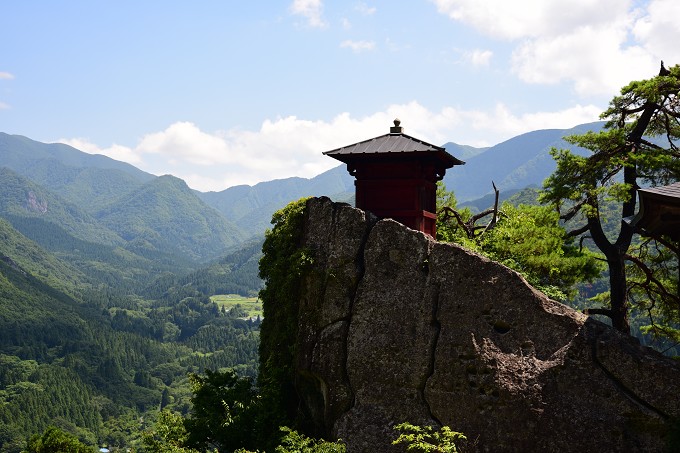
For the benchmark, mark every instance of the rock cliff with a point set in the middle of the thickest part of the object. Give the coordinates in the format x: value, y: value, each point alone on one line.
x: 394, y: 326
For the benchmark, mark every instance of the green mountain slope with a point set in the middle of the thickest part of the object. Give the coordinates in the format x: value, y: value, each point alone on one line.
x: 81, y: 344
x: 78, y: 238
x: 85, y: 179
x: 251, y: 207
x: 519, y: 162
x: 42, y: 320
x: 25, y: 256
x: 165, y: 215
x: 97, y: 359
x: 22, y: 198
x: 463, y: 152
x: 236, y: 273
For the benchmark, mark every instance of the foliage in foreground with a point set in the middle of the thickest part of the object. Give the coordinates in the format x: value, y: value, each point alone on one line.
x: 294, y: 442
x: 653, y: 278
x: 426, y: 439
x: 637, y: 148
x: 168, y: 435
x: 223, y: 413
x: 171, y: 434
x: 282, y: 266
x: 528, y: 239
x: 54, y: 440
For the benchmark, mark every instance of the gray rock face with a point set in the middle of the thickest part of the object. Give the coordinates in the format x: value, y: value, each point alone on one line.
x: 396, y: 327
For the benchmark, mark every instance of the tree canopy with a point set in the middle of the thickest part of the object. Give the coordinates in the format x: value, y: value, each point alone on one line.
x: 636, y: 148
x: 528, y: 239
x: 223, y: 411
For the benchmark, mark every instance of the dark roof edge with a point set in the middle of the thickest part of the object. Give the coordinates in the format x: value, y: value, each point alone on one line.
x: 670, y: 192
x: 438, y: 148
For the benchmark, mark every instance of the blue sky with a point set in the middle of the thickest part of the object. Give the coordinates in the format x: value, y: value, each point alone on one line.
x: 222, y: 93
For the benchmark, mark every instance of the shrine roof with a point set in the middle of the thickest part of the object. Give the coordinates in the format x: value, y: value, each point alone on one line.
x: 394, y: 143
x: 670, y: 192
x: 659, y: 212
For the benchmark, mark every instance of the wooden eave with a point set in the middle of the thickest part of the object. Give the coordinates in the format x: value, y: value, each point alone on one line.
x: 393, y: 146
x: 659, y: 213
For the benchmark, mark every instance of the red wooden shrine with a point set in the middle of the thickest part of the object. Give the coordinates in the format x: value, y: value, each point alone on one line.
x: 396, y: 177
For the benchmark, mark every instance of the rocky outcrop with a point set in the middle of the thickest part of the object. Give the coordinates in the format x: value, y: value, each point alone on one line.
x: 11, y: 263
x: 34, y: 204
x: 396, y: 327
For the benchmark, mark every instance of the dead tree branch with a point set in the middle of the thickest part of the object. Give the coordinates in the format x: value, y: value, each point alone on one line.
x: 472, y: 230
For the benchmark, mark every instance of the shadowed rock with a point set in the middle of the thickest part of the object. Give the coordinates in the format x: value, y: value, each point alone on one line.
x: 396, y: 327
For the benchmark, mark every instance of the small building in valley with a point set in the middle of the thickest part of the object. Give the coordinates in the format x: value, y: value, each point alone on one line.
x: 396, y: 177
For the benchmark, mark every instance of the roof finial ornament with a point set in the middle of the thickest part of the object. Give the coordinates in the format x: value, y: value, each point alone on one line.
x: 396, y: 129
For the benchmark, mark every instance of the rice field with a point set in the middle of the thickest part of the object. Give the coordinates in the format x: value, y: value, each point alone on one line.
x: 251, y: 305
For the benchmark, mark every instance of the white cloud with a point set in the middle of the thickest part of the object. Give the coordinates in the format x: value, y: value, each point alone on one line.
x: 290, y: 146
x: 478, y: 57
x: 507, y: 124
x: 364, y: 9
x: 185, y: 141
x: 312, y: 10
x: 597, y: 46
x: 658, y: 32
x: 593, y: 60
x: 483, y: 128
x: 358, y: 46
x: 4, y: 106
x: 118, y: 152
x: 530, y: 18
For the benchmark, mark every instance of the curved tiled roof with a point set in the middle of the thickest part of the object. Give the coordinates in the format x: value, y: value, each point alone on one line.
x: 392, y: 143
x: 670, y: 192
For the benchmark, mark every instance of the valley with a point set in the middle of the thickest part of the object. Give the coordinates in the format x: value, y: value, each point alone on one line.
x: 116, y: 284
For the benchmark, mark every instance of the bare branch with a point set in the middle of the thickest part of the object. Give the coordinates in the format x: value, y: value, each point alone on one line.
x: 577, y: 231
x: 674, y: 247
x: 632, y: 111
x: 481, y: 215
x: 651, y: 283
x: 494, y: 219
x: 452, y: 212
x: 567, y: 216
x: 470, y: 227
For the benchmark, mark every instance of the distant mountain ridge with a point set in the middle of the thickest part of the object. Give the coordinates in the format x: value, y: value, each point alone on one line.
x: 516, y: 163
x: 252, y: 206
x: 167, y: 214
x: 102, y: 201
x: 77, y: 175
x: 126, y: 200
x: 463, y: 152
x: 19, y: 153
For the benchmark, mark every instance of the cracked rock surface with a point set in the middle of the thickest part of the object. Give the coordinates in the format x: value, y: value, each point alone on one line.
x: 397, y: 327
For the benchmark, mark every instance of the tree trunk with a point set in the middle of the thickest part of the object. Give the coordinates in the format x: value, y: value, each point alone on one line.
x: 617, y: 284
x: 617, y: 251
x: 614, y: 253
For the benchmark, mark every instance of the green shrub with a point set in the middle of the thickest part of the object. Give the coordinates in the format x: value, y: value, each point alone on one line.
x: 426, y: 440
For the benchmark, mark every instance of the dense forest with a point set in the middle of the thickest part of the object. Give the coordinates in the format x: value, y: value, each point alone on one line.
x: 99, y: 357
x: 106, y: 282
